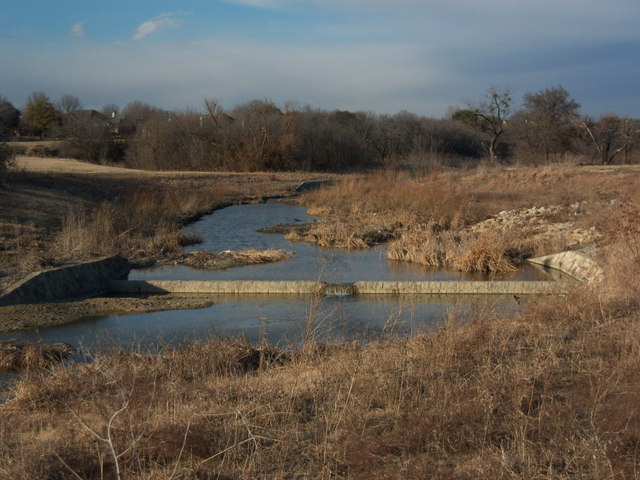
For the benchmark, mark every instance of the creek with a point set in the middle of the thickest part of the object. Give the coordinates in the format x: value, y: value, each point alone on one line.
x: 281, y: 319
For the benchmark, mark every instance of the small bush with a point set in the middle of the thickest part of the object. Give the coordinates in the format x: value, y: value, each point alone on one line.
x: 43, y: 151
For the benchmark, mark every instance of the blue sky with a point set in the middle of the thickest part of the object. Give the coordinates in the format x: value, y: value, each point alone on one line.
x: 375, y: 55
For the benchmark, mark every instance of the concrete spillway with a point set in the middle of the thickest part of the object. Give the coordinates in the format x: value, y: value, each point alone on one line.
x: 313, y: 288
x: 99, y: 277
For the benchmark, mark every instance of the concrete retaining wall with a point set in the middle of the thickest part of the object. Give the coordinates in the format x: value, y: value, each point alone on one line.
x: 84, y: 279
x: 305, y: 287
x: 576, y: 264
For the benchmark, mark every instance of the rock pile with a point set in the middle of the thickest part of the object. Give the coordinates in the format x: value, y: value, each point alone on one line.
x: 551, y: 223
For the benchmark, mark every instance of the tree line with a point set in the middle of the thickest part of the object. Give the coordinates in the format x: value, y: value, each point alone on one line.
x: 259, y: 135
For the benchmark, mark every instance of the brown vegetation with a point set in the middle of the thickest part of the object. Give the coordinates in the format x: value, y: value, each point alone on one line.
x: 440, y: 220
x: 548, y: 393
x: 32, y: 355
x: 86, y: 210
x: 144, y: 222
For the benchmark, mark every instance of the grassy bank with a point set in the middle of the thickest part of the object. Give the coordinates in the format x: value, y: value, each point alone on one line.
x: 470, y: 221
x: 551, y: 393
x: 85, y: 210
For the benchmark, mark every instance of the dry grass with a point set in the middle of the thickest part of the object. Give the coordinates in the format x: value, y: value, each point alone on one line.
x: 16, y: 356
x: 550, y: 393
x: 430, y: 220
x: 488, y: 251
x: 84, y: 209
x: 144, y: 222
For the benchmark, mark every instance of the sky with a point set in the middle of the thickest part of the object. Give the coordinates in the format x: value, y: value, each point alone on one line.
x: 382, y: 56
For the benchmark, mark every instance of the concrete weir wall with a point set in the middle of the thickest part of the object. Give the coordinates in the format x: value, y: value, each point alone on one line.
x: 307, y: 287
x: 574, y: 263
x: 456, y: 288
x: 84, y: 279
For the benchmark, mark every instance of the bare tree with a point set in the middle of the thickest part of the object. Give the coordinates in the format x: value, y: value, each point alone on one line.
x: 68, y: 104
x: 611, y: 135
x: 491, y: 116
x: 88, y: 136
x: 547, y: 122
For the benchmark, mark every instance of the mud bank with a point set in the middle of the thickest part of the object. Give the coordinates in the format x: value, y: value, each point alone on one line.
x: 15, y: 318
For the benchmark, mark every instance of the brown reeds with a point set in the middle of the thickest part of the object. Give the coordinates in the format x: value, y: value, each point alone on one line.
x: 437, y: 220
x: 549, y: 392
x: 145, y: 222
x: 487, y: 251
x: 21, y: 356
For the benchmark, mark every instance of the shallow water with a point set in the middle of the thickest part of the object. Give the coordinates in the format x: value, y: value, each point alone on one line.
x: 234, y: 228
x: 281, y: 319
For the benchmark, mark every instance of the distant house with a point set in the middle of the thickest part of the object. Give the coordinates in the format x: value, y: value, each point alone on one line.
x: 224, y: 119
x: 86, y: 116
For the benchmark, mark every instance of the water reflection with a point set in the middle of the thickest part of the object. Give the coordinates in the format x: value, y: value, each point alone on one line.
x: 283, y: 320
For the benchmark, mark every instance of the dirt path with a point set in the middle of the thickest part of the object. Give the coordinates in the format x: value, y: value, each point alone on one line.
x: 71, y: 166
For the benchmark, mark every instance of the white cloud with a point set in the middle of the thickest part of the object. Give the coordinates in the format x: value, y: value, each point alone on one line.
x: 155, y: 24
x: 77, y: 30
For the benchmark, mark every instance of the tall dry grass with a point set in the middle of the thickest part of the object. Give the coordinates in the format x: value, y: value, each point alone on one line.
x: 362, y: 212
x: 422, y: 218
x: 487, y: 251
x: 144, y: 222
x: 430, y: 220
